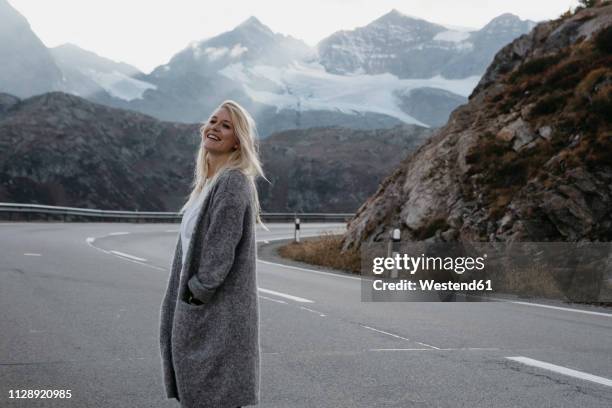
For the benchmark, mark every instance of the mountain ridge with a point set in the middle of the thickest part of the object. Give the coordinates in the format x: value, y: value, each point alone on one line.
x: 280, y: 79
x: 60, y: 149
x: 24, y: 56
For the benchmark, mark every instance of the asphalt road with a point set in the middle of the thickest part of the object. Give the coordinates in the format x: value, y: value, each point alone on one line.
x: 80, y: 306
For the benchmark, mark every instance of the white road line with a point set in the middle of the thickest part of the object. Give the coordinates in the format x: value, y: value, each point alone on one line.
x: 313, y: 311
x: 30, y: 254
x: 273, y: 300
x: 294, y: 298
x: 91, y: 240
x: 432, y: 349
x: 399, y: 337
x: 427, y: 345
x: 384, y: 332
x: 566, y: 309
x: 117, y: 233
x: 135, y: 258
x: 469, y: 349
x: 562, y: 370
x: 309, y: 270
x: 171, y: 230
x: 138, y: 262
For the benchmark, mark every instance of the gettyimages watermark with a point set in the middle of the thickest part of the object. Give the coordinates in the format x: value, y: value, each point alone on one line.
x: 474, y: 271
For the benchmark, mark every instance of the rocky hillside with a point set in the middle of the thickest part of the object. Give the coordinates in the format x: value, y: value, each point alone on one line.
x: 60, y: 149
x: 331, y: 169
x: 527, y: 159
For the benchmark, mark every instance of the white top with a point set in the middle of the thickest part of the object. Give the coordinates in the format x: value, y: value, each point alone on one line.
x: 189, y: 219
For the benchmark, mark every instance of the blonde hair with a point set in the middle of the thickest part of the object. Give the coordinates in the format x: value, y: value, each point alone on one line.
x: 245, y: 158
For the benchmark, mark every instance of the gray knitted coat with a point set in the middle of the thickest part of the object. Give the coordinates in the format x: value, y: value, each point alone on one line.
x: 210, y: 353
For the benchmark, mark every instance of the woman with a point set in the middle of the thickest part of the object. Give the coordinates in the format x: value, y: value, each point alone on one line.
x: 209, y: 320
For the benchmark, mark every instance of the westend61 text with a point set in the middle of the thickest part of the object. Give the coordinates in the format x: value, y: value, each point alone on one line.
x: 404, y: 284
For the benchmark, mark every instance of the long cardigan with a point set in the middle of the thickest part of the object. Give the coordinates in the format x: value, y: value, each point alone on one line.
x: 211, y: 353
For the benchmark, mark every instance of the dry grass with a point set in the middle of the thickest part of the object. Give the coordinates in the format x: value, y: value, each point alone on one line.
x: 533, y: 280
x: 323, y: 251
x: 500, y: 202
x: 586, y: 87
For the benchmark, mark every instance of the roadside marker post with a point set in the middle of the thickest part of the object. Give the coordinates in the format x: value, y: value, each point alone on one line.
x: 296, y: 235
x: 394, y: 248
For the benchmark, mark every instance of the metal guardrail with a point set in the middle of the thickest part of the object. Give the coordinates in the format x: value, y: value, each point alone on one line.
x: 21, y: 212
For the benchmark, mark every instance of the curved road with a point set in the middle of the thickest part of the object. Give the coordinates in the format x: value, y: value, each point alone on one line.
x: 80, y: 305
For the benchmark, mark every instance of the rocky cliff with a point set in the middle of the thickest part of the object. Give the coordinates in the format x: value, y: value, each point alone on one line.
x: 526, y: 159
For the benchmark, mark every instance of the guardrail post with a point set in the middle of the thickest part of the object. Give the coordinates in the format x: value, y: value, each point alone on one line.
x: 296, y: 235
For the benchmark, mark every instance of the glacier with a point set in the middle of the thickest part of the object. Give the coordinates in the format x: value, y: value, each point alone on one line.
x: 308, y: 86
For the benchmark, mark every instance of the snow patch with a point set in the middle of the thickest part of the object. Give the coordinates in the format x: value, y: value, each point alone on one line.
x: 120, y: 85
x: 452, y: 36
x: 464, y: 46
x: 238, y: 50
x: 453, y: 27
x: 312, y: 88
x: 214, y: 53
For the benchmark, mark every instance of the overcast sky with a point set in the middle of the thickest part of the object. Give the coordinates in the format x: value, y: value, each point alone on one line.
x: 147, y: 33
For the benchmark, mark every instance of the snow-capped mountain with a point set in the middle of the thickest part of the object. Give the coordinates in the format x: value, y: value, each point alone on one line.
x: 282, y: 82
x: 190, y: 85
x: 87, y: 74
x: 409, y: 47
x: 394, y: 43
x: 396, y: 69
x: 27, y: 67
x: 250, y: 42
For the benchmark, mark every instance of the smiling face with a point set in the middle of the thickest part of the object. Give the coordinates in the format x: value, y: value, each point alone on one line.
x: 218, y: 134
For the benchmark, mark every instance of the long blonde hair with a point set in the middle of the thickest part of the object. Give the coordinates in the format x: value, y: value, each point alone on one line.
x: 245, y: 159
